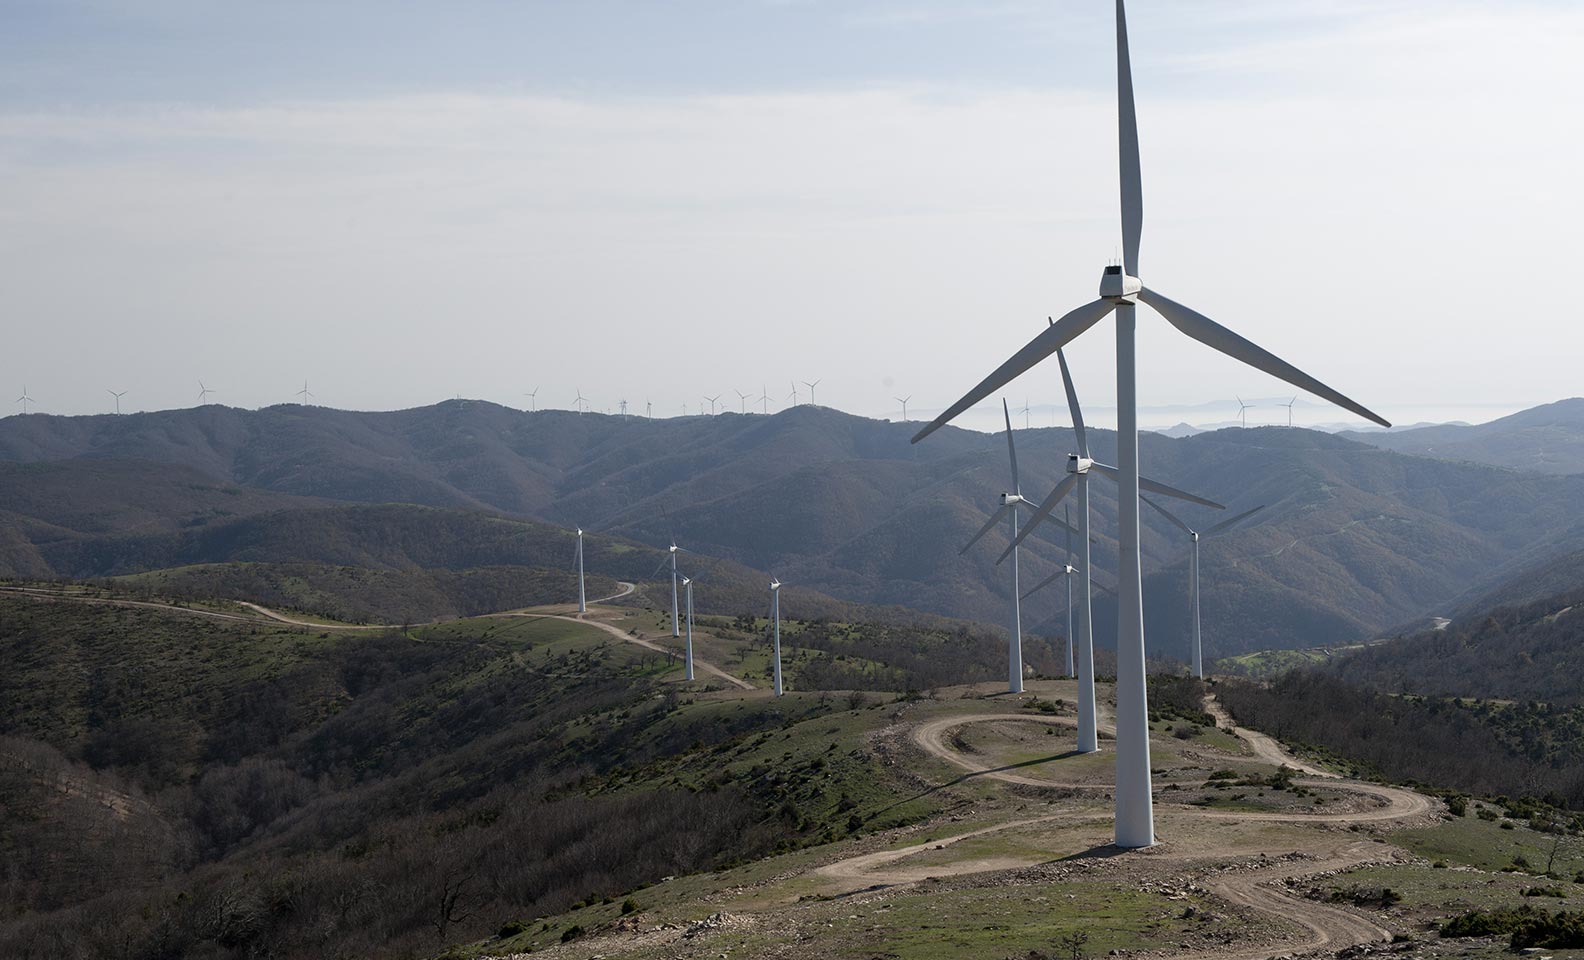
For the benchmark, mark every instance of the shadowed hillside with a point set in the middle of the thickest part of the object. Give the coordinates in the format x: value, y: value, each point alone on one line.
x: 1546, y: 439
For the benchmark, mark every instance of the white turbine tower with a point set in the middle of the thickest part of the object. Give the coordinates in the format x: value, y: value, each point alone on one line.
x: 533, y: 399
x: 1065, y: 573
x: 25, y: 400
x: 676, y: 629
x: 118, y: 397
x: 687, y: 582
x: 1120, y: 293
x: 305, y: 394
x: 1243, y: 409
x: 711, y: 402
x: 582, y: 596
x: 904, y: 402
x: 764, y: 399
x: 1196, y: 653
x: 203, y: 393
x: 1289, y: 405
x: 1079, y: 466
x: 775, y: 619
x: 793, y: 396
x: 744, y: 398
x: 811, y: 387
x: 580, y: 402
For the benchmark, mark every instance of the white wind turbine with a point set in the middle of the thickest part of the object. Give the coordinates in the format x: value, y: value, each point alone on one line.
x: 764, y: 399
x: 533, y: 399
x: 811, y: 387
x: 25, y: 400
x: 1197, y: 656
x: 581, y: 401
x: 676, y: 630
x: 775, y: 620
x: 687, y: 582
x: 306, y: 395
x: 1026, y: 411
x: 904, y: 402
x: 622, y: 406
x: 1243, y: 409
x: 793, y: 396
x: 711, y: 402
x: 1079, y: 466
x: 118, y: 397
x: 203, y: 393
x: 744, y: 398
x: 1067, y: 572
x: 1120, y: 293
x: 582, y: 596
x: 1289, y: 405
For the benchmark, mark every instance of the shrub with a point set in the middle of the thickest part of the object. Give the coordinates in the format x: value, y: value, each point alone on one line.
x: 629, y: 906
x: 511, y: 928
x: 571, y: 933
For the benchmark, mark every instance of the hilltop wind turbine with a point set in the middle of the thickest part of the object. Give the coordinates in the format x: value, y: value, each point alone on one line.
x: 582, y: 596
x: 775, y: 619
x: 1010, y: 502
x: 580, y: 402
x: 1079, y: 466
x: 1025, y: 411
x: 794, y: 395
x: 1289, y: 405
x: 623, y: 407
x: 307, y: 396
x: 711, y: 401
x: 533, y: 399
x: 687, y: 582
x: 203, y: 393
x: 676, y: 630
x: 24, y: 400
x: 764, y: 398
x: 1193, y: 569
x: 1120, y: 293
x: 811, y: 387
x: 1243, y: 409
x: 118, y: 397
x: 904, y: 402
x: 744, y: 398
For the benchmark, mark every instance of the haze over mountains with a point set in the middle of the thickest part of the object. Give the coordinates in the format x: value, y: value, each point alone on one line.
x: 1354, y: 540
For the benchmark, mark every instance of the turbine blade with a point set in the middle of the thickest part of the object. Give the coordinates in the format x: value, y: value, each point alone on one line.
x: 663, y: 561
x: 1155, y: 486
x: 1067, y: 518
x: 1226, y: 525
x: 1043, y: 584
x: 1128, y: 149
x: 1058, y: 334
x: 995, y: 518
x: 1169, y: 516
x: 1044, y: 511
x: 1011, y: 447
x: 1217, y: 337
x: 1072, y: 406
x: 1102, y: 588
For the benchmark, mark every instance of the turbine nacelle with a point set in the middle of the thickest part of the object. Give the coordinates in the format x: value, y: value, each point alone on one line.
x: 1117, y: 287
x: 1077, y: 464
x: 1013, y: 499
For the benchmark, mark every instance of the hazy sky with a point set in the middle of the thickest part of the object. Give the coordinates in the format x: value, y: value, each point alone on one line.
x: 403, y: 201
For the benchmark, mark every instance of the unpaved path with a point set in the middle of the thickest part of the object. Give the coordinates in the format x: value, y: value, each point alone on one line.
x: 872, y: 868
x: 1265, y: 748
x: 625, y: 637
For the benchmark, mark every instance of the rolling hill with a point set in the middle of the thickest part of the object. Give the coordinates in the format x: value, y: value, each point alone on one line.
x: 1355, y: 538
x: 1545, y: 439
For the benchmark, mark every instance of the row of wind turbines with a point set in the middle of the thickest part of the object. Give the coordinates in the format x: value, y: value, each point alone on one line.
x: 584, y: 404
x: 1121, y: 291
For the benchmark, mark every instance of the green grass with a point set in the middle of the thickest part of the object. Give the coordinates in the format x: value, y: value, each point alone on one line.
x: 1483, y: 844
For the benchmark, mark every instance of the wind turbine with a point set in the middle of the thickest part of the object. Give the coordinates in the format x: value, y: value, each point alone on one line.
x: 744, y: 398
x: 1243, y: 409
x: 580, y: 402
x: 687, y: 582
x: 203, y: 393
x: 775, y: 618
x: 676, y: 631
x: 1193, y: 568
x: 623, y: 407
x: 118, y: 397
x: 306, y: 395
x: 1120, y: 293
x: 794, y: 395
x: 711, y: 401
x: 649, y: 409
x: 1066, y: 572
x: 533, y: 399
x: 1010, y: 502
x: 1025, y: 411
x: 582, y: 596
x: 764, y: 398
x: 1289, y: 405
x: 1079, y: 466
x: 811, y: 387
x: 904, y: 402
x: 24, y: 400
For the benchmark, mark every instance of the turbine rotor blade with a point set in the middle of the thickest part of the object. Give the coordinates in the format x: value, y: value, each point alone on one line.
x: 1011, y: 447
x: 1128, y: 150
x: 1058, y: 334
x: 1217, y: 337
x: 1155, y: 486
x: 1169, y: 516
x: 1043, y: 584
x: 663, y: 561
x: 995, y: 518
x: 1044, y: 511
x: 1072, y: 406
x: 1226, y: 525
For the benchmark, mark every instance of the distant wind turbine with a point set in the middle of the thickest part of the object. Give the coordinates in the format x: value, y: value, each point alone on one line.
x: 711, y: 401
x: 764, y: 399
x: 744, y: 398
x: 1120, y: 292
x: 676, y: 630
x: 25, y: 400
x: 1026, y: 410
x: 649, y: 409
x: 581, y: 401
x: 904, y: 402
x: 775, y: 619
x: 118, y: 397
x: 687, y: 583
x: 203, y: 393
x: 811, y: 387
x: 1193, y: 568
x: 1243, y: 409
x: 794, y: 395
x: 533, y: 399
x: 307, y: 395
x: 1065, y: 573
x: 1289, y: 405
x: 622, y: 406
x: 582, y: 595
